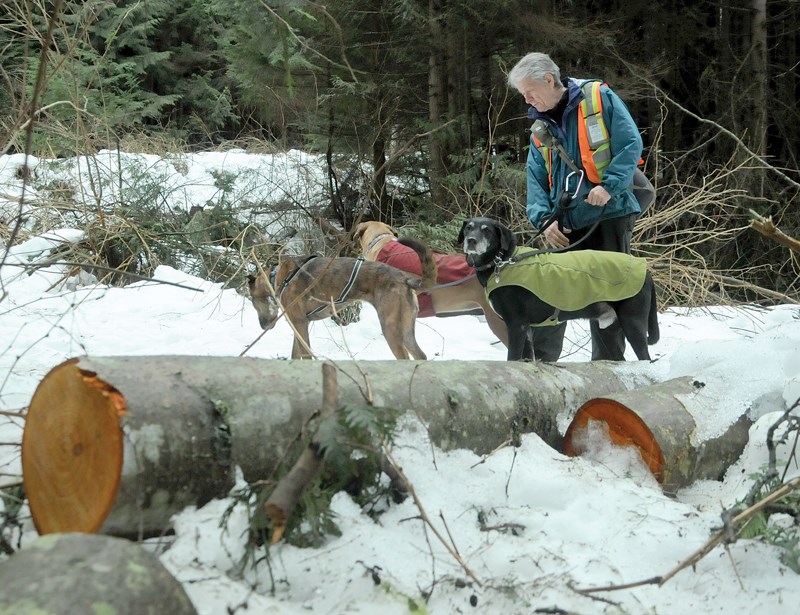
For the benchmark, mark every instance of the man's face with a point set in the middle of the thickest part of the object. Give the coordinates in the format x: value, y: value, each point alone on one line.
x: 542, y: 95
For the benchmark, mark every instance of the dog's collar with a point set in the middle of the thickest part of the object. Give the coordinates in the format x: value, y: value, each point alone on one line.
x: 496, y: 263
x: 376, y: 239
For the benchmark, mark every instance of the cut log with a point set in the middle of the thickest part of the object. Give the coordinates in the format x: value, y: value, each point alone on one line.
x: 659, y: 420
x: 85, y: 573
x: 120, y: 444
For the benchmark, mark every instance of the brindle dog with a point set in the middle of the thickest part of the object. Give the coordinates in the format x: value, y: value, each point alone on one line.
x: 312, y: 287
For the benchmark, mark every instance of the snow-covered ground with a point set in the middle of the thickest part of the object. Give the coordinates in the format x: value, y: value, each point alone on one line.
x: 533, y: 525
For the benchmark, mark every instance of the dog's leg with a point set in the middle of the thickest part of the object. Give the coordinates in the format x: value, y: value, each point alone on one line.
x: 634, y: 326
x: 517, y: 340
x: 527, y: 349
x: 412, y: 346
x: 496, y: 324
x: 637, y: 338
x: 397, y: 313
x: 395, y: 340
x: 605, y: 315
x: 636, y: 317
x: 301, y: 347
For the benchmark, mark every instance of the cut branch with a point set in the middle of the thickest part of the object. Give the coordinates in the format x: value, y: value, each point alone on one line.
x: 284, y: 498
x: 767, y: 227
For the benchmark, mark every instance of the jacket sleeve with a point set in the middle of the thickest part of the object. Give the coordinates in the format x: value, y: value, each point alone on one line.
x: 626, y: 143
x: 538, y: 206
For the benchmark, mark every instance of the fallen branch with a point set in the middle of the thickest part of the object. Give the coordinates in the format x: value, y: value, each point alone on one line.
x: 284, y: 498
x: 767, y: 227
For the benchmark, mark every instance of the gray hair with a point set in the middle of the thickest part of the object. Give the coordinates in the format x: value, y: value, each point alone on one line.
x: 536, y: 66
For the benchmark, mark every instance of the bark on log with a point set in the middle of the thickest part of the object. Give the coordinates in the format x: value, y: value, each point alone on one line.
x: 120, y: 444
x: 660, y: 420
x: 85, y: 573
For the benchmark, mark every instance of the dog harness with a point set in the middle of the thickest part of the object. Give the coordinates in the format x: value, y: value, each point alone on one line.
x: 342, y: 295
x: 570, y: 281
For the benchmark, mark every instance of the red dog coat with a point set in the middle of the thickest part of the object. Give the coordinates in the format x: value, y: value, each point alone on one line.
x: 450, y: 267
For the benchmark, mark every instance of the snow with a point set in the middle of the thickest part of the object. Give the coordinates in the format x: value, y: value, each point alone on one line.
x: 532, y: 525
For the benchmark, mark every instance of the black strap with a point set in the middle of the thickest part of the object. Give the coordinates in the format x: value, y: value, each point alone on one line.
x: 346, y: 290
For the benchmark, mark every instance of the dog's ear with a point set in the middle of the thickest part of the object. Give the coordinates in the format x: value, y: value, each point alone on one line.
x: 359, y: 231
x: 507, y: 240
x: 460, y: 239
x: 251, y: 281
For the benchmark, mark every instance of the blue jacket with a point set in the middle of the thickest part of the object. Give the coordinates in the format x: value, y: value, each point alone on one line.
x: 626, y: 151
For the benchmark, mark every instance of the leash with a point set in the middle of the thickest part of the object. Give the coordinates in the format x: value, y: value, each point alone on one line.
x: 542, y: 132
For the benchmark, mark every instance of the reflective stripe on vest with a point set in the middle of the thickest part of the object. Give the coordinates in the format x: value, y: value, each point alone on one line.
x: 593, y: 138
x: 547, y: 154
x: 595, y: 144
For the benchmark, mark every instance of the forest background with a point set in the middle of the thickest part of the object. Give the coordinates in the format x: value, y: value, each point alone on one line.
x: 408, y: 103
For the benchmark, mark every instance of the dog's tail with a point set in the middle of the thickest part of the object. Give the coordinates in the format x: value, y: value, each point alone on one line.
x: 653, y: 333
x: 426, y: 259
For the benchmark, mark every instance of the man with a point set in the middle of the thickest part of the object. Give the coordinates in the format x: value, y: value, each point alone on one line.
x: 601, y: 209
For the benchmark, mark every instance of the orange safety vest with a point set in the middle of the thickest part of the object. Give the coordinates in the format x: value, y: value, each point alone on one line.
x: 593, y: 138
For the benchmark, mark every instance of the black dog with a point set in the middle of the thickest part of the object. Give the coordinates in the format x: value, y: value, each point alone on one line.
x: 625, y: 288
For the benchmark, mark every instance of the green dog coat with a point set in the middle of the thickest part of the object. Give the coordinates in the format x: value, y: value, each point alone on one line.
x: 570, y: 281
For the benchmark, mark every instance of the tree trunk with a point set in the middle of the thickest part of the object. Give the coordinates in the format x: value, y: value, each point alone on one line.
x: 437, y: 99
x: 380, y: 197
x: 120, y: 444
x: 82, y: 573
x: 761, y: 103
x: 760, y: 65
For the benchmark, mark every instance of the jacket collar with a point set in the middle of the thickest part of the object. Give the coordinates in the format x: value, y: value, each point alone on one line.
x: 575, y: 97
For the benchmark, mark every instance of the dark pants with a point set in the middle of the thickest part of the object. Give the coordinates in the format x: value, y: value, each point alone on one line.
x: 613, y: 235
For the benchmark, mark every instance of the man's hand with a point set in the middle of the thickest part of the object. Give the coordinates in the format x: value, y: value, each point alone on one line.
x: 556, y: 238
x: 598, y: 196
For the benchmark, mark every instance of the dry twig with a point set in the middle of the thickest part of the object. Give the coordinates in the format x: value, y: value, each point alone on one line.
x: 721, y: 537
x: 767, y: 227
x: 448, y: 545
